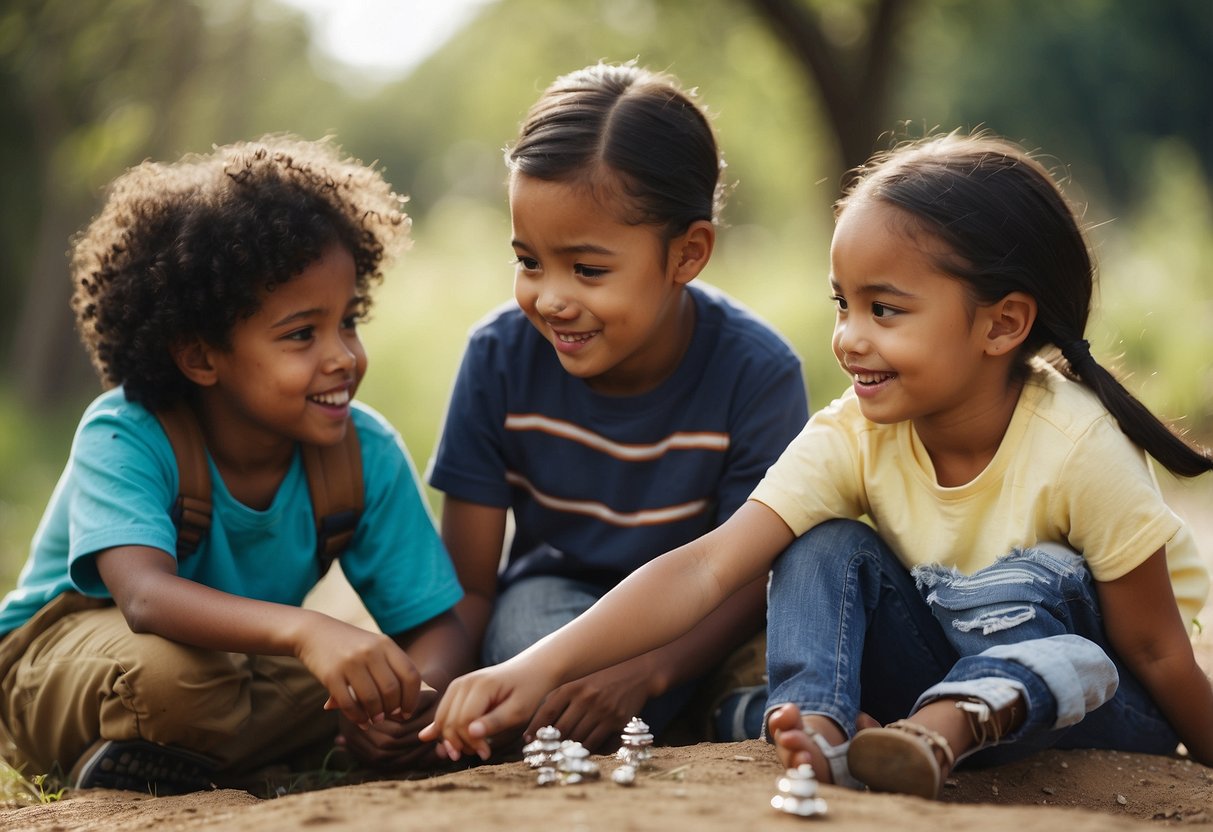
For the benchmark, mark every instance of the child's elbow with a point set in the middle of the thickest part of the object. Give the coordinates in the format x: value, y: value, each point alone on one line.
x: 140, y: 613
x: 1151, y: 656
x: 136, y: 618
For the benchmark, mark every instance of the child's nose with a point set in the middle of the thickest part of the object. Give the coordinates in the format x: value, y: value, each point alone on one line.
x: 849, y: 337
x: 551, y: 303
x: 341, y: 359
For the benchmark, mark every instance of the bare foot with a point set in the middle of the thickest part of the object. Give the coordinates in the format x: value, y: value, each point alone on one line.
x: 794, y: 744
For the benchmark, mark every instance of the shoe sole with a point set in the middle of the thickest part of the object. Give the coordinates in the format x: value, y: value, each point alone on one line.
x: 143, y: 767
x: 888, y: 760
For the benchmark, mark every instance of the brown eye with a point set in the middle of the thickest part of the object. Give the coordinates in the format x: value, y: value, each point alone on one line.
x: 589, y: 271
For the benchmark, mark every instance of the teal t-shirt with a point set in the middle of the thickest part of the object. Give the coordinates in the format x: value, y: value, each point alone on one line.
x: 121, y: 481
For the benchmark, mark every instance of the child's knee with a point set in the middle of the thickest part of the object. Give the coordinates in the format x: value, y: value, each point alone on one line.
x: 825, y: 555
x: 178, y: 694
x: 1021, y: 594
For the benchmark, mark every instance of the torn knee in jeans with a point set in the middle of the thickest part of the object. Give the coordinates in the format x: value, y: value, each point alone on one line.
x: 1007, y: 594
x: 994, y: 619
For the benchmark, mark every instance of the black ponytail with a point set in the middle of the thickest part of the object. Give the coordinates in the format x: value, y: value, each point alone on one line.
x: 1134, y: 418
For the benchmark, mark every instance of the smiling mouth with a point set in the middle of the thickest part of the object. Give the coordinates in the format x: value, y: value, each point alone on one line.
x: 574, y: 337
x: 337, y: 398
x: 869, y: 379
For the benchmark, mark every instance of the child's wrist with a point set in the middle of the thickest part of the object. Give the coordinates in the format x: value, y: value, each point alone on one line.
x: 657, y: 673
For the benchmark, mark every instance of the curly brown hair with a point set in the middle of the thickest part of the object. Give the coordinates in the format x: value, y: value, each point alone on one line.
x: 188, y: 249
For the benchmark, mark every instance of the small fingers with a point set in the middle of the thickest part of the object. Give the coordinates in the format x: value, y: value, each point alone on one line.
x: 386, y: 686
x: 345, y: 700
x: 477, y: 741
x: 405, y: 682
x: 549, y: 713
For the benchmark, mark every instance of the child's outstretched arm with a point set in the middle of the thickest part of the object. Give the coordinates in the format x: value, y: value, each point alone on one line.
x: 653, y: 606
x: 366, y: 674
x: 1145, y: 628
x: 592, y: 708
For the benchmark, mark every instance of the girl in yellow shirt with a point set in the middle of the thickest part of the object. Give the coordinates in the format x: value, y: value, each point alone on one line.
x: 1021, y: 584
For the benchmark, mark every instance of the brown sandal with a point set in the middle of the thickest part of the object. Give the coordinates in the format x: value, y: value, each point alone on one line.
x: 908, y: 758
x: 903, y: 757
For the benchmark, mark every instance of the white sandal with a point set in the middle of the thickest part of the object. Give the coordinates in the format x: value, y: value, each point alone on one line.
x: 835, y: 755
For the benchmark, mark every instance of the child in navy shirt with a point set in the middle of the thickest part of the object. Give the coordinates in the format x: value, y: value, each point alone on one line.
x: 616, y: 408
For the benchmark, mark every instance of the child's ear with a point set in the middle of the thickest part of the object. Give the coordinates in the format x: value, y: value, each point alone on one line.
x: 193, y: 359
x: 1010, y: 321
x: 691, y: 250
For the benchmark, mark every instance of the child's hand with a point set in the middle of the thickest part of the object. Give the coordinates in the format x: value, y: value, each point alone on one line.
x: 368, y: 677
x: 593, y: 709
x: 486, y: 703
x: 393, y: 743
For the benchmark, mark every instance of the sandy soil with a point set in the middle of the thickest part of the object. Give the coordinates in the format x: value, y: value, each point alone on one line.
x: 707, y: 787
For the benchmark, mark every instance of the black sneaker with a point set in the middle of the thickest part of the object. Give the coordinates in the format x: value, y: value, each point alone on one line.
x: 141, y: 766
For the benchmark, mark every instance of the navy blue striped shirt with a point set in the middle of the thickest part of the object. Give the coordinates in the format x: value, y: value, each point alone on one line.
x: 599, y: 485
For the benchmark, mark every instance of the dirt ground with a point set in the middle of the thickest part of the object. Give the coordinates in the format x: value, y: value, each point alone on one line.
x: 708, y: 787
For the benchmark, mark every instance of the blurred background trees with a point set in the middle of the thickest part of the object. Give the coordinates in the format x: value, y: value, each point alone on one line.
x: 1116, y: 92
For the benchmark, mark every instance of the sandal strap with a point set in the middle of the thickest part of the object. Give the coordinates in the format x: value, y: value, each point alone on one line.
x: 933, y: 739
x: 983, y: 720
x: 835, y: 756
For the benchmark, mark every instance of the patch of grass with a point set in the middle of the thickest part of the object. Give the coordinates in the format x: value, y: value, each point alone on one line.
x: 18, y: 790
x: 336, y: 769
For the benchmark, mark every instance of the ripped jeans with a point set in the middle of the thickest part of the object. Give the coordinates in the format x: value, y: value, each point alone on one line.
x: 850, y: 629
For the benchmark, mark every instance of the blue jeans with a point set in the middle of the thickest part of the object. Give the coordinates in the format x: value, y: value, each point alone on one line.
x: 1031, y: 620
x: 535, y: 606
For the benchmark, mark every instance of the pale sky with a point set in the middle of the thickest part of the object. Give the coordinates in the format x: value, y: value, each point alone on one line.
x: 388, y: 37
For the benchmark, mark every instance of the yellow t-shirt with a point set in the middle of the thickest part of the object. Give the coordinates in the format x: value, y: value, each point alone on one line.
x: 1064, y: 473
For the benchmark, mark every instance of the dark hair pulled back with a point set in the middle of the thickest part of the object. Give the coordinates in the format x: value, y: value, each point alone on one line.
x: 1007, y: 227
x: 623, y: 127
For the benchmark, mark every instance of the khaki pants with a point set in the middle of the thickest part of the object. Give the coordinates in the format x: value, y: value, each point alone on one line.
x: 75, y: 673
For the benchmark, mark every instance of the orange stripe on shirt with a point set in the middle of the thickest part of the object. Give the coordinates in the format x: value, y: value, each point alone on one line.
x: 600, y: 511
x: 681, y: 441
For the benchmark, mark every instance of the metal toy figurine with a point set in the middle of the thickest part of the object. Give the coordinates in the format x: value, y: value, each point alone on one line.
x: 798, y: 793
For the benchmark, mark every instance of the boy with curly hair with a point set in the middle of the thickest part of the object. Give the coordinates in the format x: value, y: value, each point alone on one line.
x: 231, y: 283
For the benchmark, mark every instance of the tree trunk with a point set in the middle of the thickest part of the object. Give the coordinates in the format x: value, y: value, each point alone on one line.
x: 853, y: 82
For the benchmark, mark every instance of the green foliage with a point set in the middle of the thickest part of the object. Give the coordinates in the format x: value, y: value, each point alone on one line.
x: 18, y: 790
x: 1094, y: 82
x: 33, y: 448
x: 1156, y: 298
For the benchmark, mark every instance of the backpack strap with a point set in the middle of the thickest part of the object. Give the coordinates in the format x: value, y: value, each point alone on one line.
x: 191, y: 510
x: 334, y: 478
